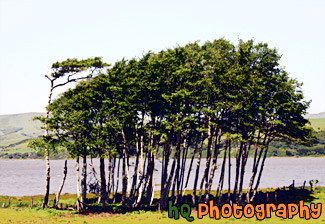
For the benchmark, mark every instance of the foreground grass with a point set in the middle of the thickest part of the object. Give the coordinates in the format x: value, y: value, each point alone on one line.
x: 54, y: 216
x: 36, y: 215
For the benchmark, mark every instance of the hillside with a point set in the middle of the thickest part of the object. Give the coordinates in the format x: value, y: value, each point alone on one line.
x: 16, y: 129
x: 319, y: 115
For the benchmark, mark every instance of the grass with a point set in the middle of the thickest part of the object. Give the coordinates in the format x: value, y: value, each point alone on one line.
x: 26, y: 214
x: 20, y: 149
x: 317, y: 123
x: 67, y: 200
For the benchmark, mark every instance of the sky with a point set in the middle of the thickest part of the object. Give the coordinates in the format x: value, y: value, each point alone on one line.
x: 36, y: 33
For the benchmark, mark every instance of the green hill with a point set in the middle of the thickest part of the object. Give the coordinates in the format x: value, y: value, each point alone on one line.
x: 16, y: 129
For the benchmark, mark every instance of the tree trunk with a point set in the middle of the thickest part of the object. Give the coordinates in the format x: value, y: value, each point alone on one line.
x: 48, y: 177
x: 112, y: 181
x: 229, y: 171
x: 238, y: 156
x: 109, y: 176
x: 255, y: 167
x: 172, y: 170
x: 153, y: 180
x: 117, y: 179
x: 102, y: 181
x: 139, y: 166
x: 141, y: 172
x: 84, y: 179
x: 211, y: 133
x: 178, y: 158
x: 208, y: 160
x: 190, y: 168
x: 135, y: 174
x: 144, y: 182
x: 151, y: 185
x: 197, y: 170
x: 261, y: 170
x: 78, y: 184
x: 222, y: 174
x: 57, y: 197
x: 128, y: 187
x: 214, y: 165
x: 182, y: 176
x: 221, y: 180
x: 242, y: 170
x: 124, y: 172
x: 47, y: 155
x: 164, y: 192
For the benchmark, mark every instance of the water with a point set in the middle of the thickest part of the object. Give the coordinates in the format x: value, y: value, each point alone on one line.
x: 27, y: 177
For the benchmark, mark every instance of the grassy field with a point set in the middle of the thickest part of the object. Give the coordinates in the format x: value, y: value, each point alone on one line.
x: 53, y: 216
x: 317, y: 123
x: 22, y: 214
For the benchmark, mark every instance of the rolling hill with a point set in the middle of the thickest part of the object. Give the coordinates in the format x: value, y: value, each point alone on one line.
x: 16, y: 129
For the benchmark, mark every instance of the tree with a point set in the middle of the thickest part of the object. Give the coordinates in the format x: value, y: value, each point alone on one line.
x: 68, y: 69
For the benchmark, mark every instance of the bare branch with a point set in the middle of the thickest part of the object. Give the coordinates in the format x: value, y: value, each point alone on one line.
x: 72, y: 74
x: 72, y: 80
x: 47, y: 76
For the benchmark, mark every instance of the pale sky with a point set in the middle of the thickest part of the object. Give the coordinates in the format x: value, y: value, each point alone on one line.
x: 36, y: 33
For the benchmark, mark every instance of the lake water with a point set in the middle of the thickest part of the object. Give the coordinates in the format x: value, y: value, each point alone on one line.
x: 27, y: 177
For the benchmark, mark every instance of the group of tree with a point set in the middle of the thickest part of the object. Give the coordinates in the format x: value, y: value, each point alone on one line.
x: 216, y: 98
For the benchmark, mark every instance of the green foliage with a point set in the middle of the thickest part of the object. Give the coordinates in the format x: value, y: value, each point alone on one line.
x: 278, y: 148
x: 73, y: 66
x: 49, y: 142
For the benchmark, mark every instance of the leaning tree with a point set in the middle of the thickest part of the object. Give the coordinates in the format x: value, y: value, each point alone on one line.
x: 62, y: 73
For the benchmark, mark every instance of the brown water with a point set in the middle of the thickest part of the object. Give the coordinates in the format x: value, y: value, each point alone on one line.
x: 27, y: 177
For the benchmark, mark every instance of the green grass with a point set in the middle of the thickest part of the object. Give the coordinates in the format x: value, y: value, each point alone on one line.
x: 56, y: 216
x: 68, y: 200
x: 37, y: 215
x: 20, y: 150
x: 317, y: 124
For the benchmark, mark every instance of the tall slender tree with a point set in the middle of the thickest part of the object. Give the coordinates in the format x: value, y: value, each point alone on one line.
x: 61, y: 74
